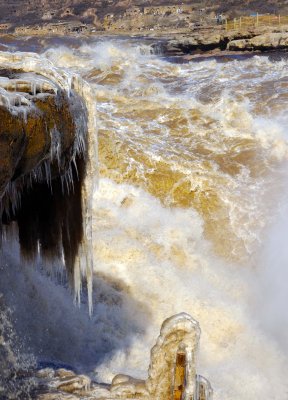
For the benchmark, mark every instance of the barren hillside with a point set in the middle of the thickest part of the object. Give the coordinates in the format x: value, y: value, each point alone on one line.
x: 22, y: 12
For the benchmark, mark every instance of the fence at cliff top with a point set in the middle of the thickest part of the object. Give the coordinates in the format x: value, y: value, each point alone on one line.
x: 255, y: 21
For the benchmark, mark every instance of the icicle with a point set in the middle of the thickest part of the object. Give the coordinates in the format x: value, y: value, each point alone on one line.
x: 77, y: 282
x: 91, y: 180
x: 37, y: 174
x: 67, y: 178
x: 203, y: 388
x: 38, y: 248
x: 89, y: 274
x: 55, y: 148
x: 24, y: 113
x: 12, y: 195
x: 69, y: 80
x: 75, y: 166
x: 33, y: 88
x: 47, y: 168
x: 62, y: 178
x: 5, y: 98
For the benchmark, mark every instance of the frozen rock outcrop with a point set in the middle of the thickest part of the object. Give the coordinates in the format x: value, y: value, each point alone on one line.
x: 172, y: 372
x: 37, y: 130
x: 48, y: 161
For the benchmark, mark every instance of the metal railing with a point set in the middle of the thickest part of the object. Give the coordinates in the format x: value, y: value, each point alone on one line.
x: 255, y: 21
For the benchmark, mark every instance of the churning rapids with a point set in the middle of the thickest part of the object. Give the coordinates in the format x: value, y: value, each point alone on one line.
x: 190, y: 215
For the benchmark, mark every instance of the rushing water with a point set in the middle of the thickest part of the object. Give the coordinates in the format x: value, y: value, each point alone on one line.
x: 190, y: 216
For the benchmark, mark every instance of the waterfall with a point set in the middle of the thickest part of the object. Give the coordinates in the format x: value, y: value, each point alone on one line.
x: 193, y: 163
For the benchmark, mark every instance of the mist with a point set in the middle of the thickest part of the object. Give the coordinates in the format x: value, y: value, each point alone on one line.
x: 271, y: 294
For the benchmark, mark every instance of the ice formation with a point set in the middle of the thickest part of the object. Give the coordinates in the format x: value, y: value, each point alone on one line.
x: 40, y: 77
x: 172, y: 373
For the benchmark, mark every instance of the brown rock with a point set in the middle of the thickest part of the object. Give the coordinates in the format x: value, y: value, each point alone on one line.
x: 13, y: 142
x: 24, y: 144
x: 267, y: 41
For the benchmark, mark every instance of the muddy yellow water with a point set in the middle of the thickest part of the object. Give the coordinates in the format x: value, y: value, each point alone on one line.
x: 193, y: 168
x: 196, y: 135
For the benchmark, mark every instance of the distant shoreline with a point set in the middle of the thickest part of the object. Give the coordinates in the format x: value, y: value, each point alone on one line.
x: 189, y: 44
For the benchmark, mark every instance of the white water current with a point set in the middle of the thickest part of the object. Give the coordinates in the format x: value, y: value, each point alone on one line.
x: 190, y: 216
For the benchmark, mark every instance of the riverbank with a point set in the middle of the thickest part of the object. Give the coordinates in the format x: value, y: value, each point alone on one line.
x: 182, y: 42
x: 260, y: 39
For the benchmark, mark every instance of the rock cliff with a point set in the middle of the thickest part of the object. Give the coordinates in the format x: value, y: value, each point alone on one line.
x: 254, y: 39
x: 42, y: 161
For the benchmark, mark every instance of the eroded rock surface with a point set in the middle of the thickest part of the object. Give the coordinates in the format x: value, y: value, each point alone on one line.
x: 217, y: 38
x: 35, y: 126
x: 267, y: 41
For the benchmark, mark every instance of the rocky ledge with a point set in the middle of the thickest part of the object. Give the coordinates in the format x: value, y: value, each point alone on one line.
x: 203, y: 40
x: 263, y: 42
x: 43, y: 145
x: 37, y: 128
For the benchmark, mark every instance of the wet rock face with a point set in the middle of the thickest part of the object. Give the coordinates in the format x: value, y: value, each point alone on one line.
x: 204, y: 40
x: 12, y: 145
x: 37, y: 124
x: 25, y: 139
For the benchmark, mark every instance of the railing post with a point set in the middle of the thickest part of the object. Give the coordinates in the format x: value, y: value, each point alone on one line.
x: 279, y: 19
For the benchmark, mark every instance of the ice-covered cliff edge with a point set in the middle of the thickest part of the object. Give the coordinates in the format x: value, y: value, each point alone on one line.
x: 48, y: 163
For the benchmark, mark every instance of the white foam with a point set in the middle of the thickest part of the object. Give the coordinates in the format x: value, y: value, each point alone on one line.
x: 164, y: 262
x: 159, y: 255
